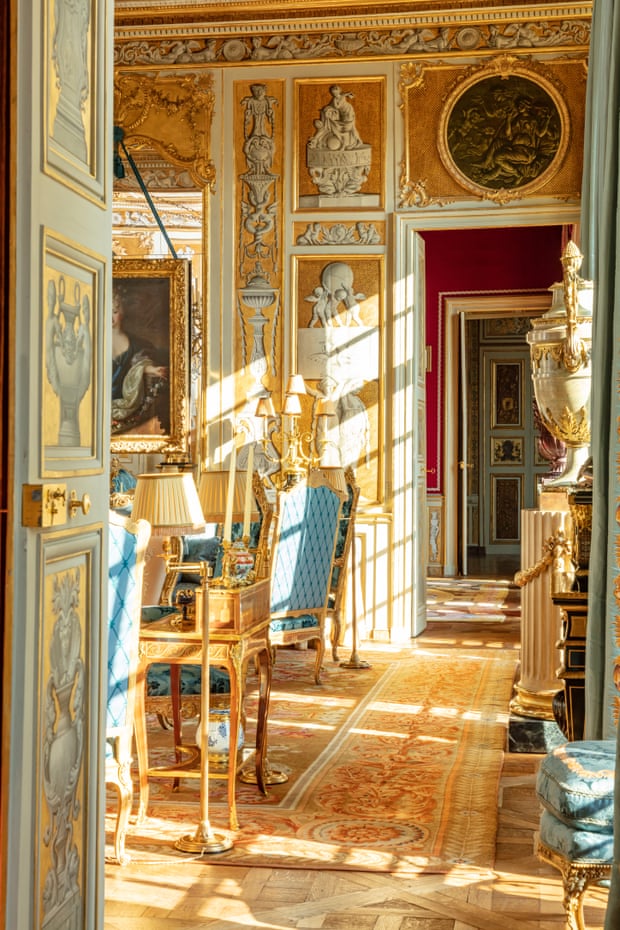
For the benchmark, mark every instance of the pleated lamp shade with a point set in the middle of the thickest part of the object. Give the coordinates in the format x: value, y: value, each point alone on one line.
x: 296, y: 385
x: 170, y: 503
x: 292, y: 405
x: 212, y: 491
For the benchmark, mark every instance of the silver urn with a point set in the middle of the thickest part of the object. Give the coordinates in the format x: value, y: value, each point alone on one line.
x: 561, y: 355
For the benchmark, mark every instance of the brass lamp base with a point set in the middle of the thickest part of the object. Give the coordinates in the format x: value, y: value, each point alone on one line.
x: 355, y: 662
x: 204, y: 841
x: 270, y: 776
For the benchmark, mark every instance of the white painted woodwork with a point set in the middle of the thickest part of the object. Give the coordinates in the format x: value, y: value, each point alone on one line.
x: 53, y: 840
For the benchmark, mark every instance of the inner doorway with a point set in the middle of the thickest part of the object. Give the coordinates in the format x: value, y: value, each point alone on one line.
x: 502, y: 453
x: 481, y: 471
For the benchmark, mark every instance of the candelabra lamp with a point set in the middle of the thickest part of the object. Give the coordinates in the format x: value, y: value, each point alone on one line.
x: 301, y: 449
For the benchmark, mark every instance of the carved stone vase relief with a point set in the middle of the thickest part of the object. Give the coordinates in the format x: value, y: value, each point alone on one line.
x: 339, y: 162
x: 339, y: 357
x: 68, y: 352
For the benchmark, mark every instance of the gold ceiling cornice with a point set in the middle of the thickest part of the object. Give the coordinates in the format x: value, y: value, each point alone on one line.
x: 167, y: 34
x: 158, y: 12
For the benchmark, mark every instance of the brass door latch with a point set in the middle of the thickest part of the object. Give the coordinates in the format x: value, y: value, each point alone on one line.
x: 44, y: 504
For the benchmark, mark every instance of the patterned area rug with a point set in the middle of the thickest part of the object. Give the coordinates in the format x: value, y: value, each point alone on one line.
x: 472, y: 599
x: 392, y: 768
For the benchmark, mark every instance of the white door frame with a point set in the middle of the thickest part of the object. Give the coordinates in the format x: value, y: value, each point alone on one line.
x: 484, y: 305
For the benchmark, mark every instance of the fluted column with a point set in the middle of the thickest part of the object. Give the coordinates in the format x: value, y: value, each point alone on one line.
x: 540, y: 619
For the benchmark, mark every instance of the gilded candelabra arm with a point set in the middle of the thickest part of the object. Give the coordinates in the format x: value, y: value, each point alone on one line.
x: 573, y: 350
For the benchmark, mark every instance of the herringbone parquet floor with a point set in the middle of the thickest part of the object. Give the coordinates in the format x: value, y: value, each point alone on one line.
x: 520, y: 893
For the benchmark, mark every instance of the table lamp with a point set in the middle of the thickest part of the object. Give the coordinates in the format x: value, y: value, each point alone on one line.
x: 227, y: 497
x: 169, y: 501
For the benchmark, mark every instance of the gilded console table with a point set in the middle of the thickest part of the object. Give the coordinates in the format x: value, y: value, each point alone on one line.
x: 238, y: 631
x: 569, y: 704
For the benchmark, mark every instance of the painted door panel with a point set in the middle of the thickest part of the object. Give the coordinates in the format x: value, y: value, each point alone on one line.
x: 53, y: 843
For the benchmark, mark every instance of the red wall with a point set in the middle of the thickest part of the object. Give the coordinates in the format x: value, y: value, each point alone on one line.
x: 466, y: 262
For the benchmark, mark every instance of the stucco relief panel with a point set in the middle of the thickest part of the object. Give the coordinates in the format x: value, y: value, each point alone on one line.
x: 73, y: 83
x: 339, y: 324
x: 67, y: 698
x: 71, y: 323
x: 500, y: 131
x: 340, y: 144
x: 258, y: 145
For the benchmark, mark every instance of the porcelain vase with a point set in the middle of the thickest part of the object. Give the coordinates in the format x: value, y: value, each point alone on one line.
x: 561, y: 356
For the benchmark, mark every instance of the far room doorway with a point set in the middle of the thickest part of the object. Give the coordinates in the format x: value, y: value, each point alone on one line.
x: 483, y: 274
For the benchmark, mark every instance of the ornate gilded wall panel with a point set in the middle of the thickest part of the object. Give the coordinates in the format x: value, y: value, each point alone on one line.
x: 259, y: 169
x: 501, y: 131
x: 172, y: 114
x: 340, y: 144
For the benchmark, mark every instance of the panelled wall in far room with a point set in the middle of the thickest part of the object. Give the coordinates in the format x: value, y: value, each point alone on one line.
x: 270, y: 233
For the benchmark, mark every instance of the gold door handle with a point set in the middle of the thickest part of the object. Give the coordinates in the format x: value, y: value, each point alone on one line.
x: 75, y: 504
x: 464, y: 465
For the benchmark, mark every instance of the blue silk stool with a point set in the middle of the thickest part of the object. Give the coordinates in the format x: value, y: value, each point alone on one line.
x: 575, y: 785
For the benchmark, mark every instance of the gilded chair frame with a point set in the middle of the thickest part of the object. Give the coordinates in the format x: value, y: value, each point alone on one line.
x: 340, y: 561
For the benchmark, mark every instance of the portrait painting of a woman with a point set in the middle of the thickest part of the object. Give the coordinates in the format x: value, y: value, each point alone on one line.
x: 140, y: 356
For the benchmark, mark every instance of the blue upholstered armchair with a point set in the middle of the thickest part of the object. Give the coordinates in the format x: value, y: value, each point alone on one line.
x: 127, y: 548
x: 304, y: 546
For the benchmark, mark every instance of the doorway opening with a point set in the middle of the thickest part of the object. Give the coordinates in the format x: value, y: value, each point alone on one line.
x: 491, y: 469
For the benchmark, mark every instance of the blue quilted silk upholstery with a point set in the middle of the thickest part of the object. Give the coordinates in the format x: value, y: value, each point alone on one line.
x: 575, y: 783
x: 305, y: 546
x: 575, y: 786
x: 302, y: 565
x: 573, y: 843
x: 294, y: 623
x: 123, y: 622
x: 123, y: 481
x: 127, y: 542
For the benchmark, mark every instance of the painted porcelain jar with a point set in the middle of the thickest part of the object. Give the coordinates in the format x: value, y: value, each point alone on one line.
x: 561, y: 355
x: 219, y: 736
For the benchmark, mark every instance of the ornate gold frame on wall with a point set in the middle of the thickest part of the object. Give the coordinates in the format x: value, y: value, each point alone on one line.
x: 503, y: 131
x: 428, y: 180
x: 152, y: 274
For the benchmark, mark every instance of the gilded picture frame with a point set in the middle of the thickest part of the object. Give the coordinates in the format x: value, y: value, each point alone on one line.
x: 504, y: 134
x: 150, y: 355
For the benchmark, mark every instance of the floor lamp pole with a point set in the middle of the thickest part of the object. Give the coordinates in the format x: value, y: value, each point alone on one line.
x: 354, y: 660
x: 204, y: 840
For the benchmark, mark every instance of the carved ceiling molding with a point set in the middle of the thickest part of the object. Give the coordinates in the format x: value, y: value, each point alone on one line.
x: 166, y: 120
x: 169, y: 37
